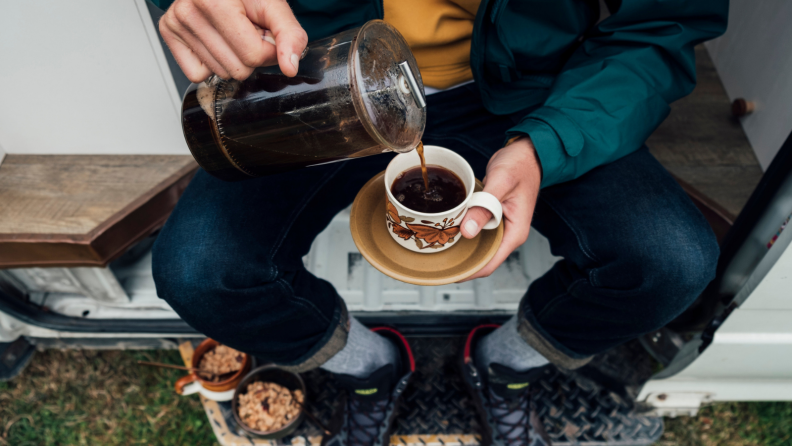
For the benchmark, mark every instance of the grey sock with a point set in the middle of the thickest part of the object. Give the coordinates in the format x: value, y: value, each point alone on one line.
x: 505, y: 346
x: 364, y: 352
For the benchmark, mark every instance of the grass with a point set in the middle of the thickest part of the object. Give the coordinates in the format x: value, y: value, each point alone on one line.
x: 733, y: 424
x: 100, y: 398
x: 105, y: 398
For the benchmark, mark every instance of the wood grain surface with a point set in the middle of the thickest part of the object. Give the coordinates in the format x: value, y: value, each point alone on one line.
x: 73, y: 194
x: 84, y: 210
x: 701, y: 143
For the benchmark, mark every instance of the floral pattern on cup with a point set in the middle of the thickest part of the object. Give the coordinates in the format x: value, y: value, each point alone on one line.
x: 428, y: 235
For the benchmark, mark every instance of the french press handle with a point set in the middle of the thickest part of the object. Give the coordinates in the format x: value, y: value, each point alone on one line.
x: 416, y: 91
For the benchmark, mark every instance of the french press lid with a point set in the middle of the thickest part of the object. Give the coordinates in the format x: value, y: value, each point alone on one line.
x: 387, y: 87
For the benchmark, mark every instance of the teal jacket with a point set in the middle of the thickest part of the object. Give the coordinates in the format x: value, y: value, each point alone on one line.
x: 592, y: 92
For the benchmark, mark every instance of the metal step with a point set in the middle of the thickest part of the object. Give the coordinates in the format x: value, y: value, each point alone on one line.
x: 436, y: 409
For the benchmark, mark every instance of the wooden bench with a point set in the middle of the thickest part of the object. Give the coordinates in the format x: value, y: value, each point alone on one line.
x: 84, y: 210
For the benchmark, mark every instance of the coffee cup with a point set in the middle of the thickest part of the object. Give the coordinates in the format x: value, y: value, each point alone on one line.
x: 434, y: 232
x: 216, y: 391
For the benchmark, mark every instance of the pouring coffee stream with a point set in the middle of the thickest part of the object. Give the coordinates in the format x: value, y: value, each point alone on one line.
x: 424, y: 172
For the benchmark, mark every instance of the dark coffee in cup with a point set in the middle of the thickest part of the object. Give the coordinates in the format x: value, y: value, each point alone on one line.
x: 446, y: 191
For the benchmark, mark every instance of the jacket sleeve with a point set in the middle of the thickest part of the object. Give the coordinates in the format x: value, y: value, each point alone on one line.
x: 616, y: 88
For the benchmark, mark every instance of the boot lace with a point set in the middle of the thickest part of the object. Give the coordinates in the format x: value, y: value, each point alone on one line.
x: 366, y: 419
x: 513, y: 432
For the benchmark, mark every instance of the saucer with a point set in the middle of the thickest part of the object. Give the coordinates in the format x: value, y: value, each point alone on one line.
x: 370, y: 233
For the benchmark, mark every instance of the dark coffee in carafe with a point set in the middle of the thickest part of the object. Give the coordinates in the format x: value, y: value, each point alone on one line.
x: 357, y: 93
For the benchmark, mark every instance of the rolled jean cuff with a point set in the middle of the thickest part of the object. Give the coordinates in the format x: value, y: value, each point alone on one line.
x: 532, y: 333
x: 331, y: 343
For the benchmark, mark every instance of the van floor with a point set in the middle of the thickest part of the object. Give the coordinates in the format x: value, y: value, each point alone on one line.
x: 704, y: 145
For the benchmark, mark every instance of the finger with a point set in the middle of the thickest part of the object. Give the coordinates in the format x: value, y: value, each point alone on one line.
x: 197, y: 47
x: 239, y: 35
x: 268, y: 37
x: 188, y: 38
x: 513, y: 237
x: 195, y: 70
x: 215, y: 44
x: 290, y: 37
x: 499, y: 184
x: 474, y: 220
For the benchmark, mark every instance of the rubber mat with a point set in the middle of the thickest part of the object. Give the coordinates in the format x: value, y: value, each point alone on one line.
x: 436, y: 410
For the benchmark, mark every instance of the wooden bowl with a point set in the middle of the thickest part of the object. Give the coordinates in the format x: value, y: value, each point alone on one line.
x: 221, y: 386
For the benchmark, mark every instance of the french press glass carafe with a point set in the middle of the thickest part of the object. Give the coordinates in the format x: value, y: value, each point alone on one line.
x: 356, y: 93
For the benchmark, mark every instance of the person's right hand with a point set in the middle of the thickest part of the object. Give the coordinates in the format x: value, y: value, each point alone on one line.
x: 232, y: 37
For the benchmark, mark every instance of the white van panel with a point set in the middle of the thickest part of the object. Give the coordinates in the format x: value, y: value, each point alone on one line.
x: 85, y: 77
x: 754, y: 59
x: 774, y: 276
x: 335, y: 258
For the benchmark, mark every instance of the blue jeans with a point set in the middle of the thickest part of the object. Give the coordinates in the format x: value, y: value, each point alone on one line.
x: 636, y: 251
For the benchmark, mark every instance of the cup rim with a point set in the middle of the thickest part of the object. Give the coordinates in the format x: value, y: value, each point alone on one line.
x: 460, y: 206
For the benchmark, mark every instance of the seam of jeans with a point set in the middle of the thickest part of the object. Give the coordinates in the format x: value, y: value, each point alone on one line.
x: 553, y: 302
x: 305, y: 303
x: 328, y: 346
x: 579, y: 237
x: 593, y: 278
x: 532, y: 332
x: 300, y: 207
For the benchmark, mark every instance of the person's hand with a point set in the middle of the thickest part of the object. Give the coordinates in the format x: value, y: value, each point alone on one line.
x: 513, y: 177
x: 232, y: 37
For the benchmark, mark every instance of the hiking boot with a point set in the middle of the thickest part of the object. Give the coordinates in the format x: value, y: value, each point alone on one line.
x: 366, y: 416
x: 502, y: 398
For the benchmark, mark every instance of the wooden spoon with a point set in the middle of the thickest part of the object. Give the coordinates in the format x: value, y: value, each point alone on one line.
x: 177, y: 367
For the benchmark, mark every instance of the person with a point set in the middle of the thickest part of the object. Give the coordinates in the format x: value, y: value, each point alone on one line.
x: 549, y: 104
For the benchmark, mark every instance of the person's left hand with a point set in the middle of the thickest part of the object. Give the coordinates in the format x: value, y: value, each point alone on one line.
x: 513, y: 177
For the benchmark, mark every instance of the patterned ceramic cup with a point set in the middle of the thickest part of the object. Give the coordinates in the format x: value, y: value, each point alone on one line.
x: 429, y: 233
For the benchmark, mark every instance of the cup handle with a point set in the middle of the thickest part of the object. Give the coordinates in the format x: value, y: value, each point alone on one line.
x: 183, y: 386
x: 487, y: 201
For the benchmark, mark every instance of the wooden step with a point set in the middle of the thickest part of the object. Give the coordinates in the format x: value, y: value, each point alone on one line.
x: 84, y: 210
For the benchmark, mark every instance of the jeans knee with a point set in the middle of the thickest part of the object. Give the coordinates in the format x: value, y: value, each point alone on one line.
x: 674, y: 274
x: 191, y: 278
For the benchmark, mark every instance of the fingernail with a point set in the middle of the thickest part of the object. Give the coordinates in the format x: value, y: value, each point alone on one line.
x: 268, y: 39
x: 295, y: 60
x: 471, y: 227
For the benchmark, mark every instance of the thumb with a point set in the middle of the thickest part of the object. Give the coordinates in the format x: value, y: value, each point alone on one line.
x: 474, y: 220
x: 290, y: 37
x: 289, y: 45
x: 498, y: 183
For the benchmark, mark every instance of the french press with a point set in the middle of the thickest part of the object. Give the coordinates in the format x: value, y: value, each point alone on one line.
x: 356, y: 93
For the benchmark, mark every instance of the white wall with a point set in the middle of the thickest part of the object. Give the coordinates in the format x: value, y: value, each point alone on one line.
x: 754, y: 61
x: 85, y: 77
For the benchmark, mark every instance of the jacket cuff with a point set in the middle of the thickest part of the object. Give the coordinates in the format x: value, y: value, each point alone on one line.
x: 557, y: 140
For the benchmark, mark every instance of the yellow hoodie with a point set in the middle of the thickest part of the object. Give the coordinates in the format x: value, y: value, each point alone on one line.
x: 439, y: 34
